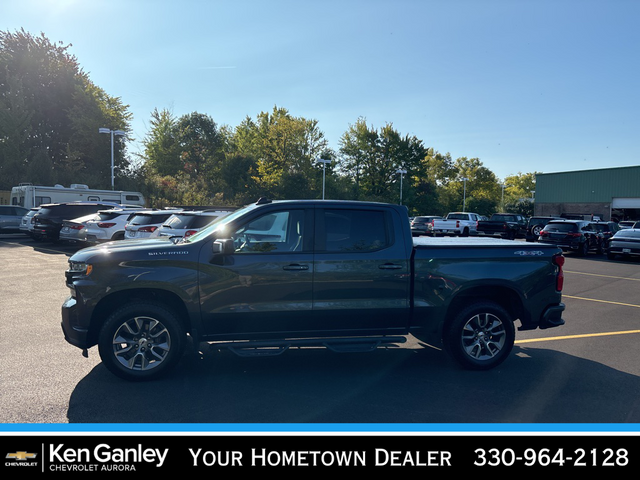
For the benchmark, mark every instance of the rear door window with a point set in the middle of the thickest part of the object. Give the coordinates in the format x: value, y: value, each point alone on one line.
x: 354, y: 231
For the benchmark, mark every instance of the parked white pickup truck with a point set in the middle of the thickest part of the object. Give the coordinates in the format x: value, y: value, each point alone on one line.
x: 457, y: 223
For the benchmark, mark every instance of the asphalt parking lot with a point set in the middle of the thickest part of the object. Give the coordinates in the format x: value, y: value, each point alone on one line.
x: 586, y: 371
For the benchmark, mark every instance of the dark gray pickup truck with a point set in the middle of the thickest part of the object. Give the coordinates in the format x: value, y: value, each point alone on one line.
x: 505, y: 225
x: 344, y: 275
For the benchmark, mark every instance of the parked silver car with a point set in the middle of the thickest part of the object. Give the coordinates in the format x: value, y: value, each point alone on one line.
x: 625, y: 242
x: 11, y: 217
x: 185, y: 224
x: 624, y: 224
x: 76, y: 230
x: 423, y: 225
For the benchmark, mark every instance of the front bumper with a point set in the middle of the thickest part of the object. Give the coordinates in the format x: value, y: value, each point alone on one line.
x: 74, y: 333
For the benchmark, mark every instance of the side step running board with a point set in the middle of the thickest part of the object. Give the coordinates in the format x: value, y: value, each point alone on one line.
x: 264, y: 348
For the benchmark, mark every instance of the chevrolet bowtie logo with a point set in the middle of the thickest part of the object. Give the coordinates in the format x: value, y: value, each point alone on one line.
x: 21, y: 455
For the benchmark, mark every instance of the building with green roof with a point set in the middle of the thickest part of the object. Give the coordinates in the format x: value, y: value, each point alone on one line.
x: 609, y: 193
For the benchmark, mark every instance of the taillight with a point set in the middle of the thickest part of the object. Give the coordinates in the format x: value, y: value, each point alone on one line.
x: 106, y: 225
x: 76, y: 227
x: 147, y: 229
x: 558, y: 260
x: 188, y: 233
x: 543, y: 233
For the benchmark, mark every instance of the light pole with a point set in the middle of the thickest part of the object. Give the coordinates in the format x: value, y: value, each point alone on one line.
x: 464, y: 193
x: 401, y: 171
x: 502, y: 200
x: 324, y: 166
x: 112, y: 133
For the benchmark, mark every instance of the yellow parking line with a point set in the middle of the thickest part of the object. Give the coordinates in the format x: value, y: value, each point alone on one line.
x: 605, y: 276
x: 602, y: 301
x: 586, y: 335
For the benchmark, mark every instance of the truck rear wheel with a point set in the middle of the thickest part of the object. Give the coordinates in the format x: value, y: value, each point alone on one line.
x: 141, y: 341
x: 481, y: 336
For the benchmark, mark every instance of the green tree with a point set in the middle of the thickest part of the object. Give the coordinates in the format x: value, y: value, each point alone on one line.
x: 430, y: 182
x: 280, y: 151
x: 519, y: 193
x: 200, y: 144
x: 161, y: 155
x: 49, y: 106
x: 372, y: 158
x: 480, y: 193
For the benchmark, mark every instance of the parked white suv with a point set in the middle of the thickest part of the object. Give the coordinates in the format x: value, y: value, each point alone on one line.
x: 143, y: 224
x: 186, y: 223
x: 26, y: 226
x: 109, y: 225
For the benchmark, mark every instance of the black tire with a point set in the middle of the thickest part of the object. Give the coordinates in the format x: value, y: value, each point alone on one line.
x: 583, y: 250
x: 141, y: 341
x: 611, y: 255
x: 536, y: 230
x: 481, y: 336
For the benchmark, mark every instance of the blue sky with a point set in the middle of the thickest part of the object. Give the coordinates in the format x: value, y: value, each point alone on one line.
x: 530, y: 85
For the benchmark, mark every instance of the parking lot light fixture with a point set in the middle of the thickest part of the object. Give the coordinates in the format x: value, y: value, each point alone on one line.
x: 464, y: 193
x: 401, y: 171
x: 112, y: 133
x: 324, y: 165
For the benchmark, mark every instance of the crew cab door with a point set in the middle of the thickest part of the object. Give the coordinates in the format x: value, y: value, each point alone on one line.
x: 265, y: 284
x: 362, y: 275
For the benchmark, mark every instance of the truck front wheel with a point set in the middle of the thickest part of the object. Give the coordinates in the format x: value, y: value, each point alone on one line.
x: 141, y: 341
x: 480, y: 336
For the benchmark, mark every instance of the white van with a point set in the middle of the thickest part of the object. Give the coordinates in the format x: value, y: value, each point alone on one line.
x: 29, y: 196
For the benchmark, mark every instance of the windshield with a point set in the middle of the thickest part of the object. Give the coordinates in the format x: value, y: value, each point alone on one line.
x: 218, y: 224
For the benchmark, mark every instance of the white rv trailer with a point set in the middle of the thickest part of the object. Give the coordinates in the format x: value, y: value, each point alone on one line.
x: 30, y: 196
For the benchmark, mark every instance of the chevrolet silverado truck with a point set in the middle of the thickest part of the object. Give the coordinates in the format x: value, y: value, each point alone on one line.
x: 456, y: 223
x: 505, y: 225
x: 277, y: 274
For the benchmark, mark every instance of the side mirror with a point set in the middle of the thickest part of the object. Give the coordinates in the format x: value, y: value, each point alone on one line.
x: 224, y: 247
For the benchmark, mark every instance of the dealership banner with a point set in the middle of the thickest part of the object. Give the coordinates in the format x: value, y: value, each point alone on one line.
x: 104, y: 454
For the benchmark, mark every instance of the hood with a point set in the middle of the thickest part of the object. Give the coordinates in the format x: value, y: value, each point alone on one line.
x: 133, y: 247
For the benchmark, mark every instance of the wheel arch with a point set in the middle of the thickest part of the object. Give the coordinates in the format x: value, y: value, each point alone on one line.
x: 110, y: 303
x: 506, y: 297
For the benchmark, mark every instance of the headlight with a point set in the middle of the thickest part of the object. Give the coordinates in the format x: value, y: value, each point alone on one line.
x: 80, y: 267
